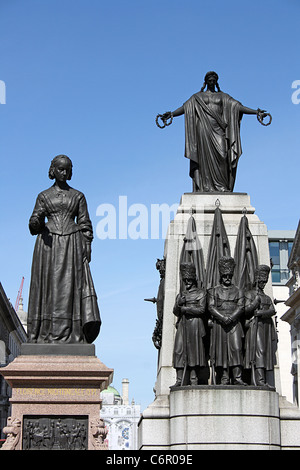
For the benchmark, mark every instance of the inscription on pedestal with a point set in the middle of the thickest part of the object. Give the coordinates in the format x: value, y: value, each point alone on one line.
x: 50, y: 432
x: 55, y: 392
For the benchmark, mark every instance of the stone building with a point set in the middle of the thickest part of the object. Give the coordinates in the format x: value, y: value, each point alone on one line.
x: 12, y: 335
x: 280, y: 245
x: 120, y: 417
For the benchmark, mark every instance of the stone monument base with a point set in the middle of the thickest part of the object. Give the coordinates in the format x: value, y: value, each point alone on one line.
x: 207, y: 417
x: 224, y: 418
x: 55, y: 403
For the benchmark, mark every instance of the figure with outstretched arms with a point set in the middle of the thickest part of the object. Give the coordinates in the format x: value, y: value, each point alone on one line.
x: 212, y: 135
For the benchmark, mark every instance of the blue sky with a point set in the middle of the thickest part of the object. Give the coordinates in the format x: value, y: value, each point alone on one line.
x: 86, y: 78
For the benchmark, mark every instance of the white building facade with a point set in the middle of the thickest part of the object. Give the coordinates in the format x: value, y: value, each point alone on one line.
x: 292, y: 315
x: 120, y: 417
x: 280, y: 245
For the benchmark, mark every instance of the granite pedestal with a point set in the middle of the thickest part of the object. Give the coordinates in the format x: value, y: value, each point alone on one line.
x: 55, y: 401
x: 224, y: 418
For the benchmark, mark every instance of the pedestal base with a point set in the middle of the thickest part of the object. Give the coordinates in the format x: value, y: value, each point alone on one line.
x: 56, y: 402
x: 214, y: 417
x: 224, y: 418
x: 207, y: 417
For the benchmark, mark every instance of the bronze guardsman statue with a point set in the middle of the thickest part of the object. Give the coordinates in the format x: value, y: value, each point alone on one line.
x: 189, y: 356
x: 159, y: 300
x: 261, y: 337
x: 226, y: 307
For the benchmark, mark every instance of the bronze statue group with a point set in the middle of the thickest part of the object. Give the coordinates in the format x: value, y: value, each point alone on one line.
x: 224, y: 327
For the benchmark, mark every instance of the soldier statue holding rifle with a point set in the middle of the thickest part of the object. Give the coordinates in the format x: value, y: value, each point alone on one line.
x: 261, y: 338
x: 189, y: 357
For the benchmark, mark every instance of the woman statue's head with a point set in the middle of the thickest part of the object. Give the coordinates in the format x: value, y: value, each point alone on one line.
x: 211, y: 76
x: 58, y: 160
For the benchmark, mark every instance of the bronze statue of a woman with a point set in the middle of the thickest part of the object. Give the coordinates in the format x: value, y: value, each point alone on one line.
x: 212, y: 135
x: 62, y: 301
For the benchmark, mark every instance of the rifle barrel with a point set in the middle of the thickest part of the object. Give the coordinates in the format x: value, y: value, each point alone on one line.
x: 153, y: 300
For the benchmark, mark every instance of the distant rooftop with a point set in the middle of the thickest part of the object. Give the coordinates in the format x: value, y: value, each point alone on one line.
x: 281, y: 234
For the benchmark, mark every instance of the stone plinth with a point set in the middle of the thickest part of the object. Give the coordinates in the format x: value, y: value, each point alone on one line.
x: 220, y: 418
x: 290, y: 425
x: 60, y: 392
x: 224, y: 418
x: 214, y: 418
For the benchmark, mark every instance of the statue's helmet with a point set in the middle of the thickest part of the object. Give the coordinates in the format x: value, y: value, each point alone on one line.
x: 188, y: 271
x: 262, y: 271
x: 226, y: 265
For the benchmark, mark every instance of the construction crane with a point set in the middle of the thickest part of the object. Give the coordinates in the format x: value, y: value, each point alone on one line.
x: 19, y: 295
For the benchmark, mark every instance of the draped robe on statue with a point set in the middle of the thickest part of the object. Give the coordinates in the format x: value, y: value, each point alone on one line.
x: 265, y: 343
x: 62, y: 301
x: 212, y: 141
x: 190, y: 332
x: 226, y: 341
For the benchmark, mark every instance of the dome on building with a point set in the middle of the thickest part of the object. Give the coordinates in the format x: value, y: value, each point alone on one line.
x: 111, y: 389
x: 111, y: 396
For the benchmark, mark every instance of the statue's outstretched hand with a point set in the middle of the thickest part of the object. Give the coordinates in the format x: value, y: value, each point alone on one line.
x: 165, y: 118
x: 261, y: 114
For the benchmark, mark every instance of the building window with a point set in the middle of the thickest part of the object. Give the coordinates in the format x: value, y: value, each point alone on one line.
x: 275, y: 257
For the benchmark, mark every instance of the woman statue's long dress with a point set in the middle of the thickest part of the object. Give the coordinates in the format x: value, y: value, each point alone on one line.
x: 62, y: 301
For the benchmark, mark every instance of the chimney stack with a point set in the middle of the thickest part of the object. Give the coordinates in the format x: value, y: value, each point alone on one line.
x: 125, y: 390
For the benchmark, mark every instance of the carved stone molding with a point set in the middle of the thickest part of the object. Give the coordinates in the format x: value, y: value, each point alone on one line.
x: 13, y: 432
x: 99, y: 433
